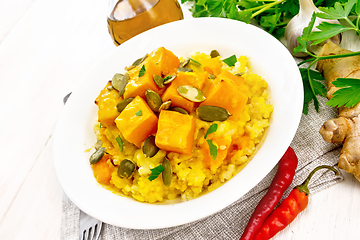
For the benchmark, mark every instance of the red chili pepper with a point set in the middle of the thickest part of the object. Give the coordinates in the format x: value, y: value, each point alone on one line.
x: 289, y: 208
x: 279, y: 184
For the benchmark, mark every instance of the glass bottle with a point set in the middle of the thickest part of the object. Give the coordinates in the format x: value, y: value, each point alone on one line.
x: 128, y: 18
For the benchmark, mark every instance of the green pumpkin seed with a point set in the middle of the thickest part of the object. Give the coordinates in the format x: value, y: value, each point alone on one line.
x: 159, y: 81
x: 212, y: 113
x: 153, y: 100
x: 169, y: 79
x: 184, y: 63
x: 119, y: 82
x: 167, y: 173
x: 97, y: 155
x: 149, y: 147
x: 165, y: 105
x: 179, y: 110
x: 137, y: 62
x: 126, y: 168
x: 214, y: 54
x: 239, y: 74
x: 122, y: 104
x: 191, y: 93
x: 184, y: 69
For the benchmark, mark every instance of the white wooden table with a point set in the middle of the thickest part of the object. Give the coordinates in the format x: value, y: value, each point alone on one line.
x: 46, y: 47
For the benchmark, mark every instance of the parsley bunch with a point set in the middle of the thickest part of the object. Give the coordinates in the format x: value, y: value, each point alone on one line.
x: 271, y: 15
x: 348, y: 14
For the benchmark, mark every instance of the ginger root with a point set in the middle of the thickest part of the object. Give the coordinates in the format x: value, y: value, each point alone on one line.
x: 346, y: 128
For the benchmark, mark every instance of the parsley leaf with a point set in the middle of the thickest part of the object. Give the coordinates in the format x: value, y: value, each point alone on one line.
x: 292, y: 6
x: 211, y: 129
x: 244, y: 16
x: 336, y: 12
x: 312, y: 88
x: 120, y: 142
x: 328, y: 30
x: 235, y: 14
x: 142, y: 71
x: 230, y: 61
x: 348, y: 87
x: 138, y: 113
x: 270, y: 21
x: 213, y: 149
x: 155, y: 172
x: 216, y: 8
x: 303, y: 42
x: 357, y: 8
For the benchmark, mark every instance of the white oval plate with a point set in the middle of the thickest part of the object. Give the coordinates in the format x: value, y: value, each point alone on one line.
x: 74, y: 133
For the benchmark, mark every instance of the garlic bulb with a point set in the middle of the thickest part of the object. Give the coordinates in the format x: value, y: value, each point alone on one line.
x: 297, y: 24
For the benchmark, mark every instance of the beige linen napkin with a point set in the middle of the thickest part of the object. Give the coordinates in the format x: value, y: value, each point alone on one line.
x: 229, y: 223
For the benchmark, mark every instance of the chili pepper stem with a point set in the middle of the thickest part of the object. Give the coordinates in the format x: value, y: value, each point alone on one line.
x: 304, y: 186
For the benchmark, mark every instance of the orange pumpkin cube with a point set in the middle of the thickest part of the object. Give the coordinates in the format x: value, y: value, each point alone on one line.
x: 102, y: 170
x: 166, y: 60
x: 138, y: 85
x: 175, y: 132
x: 106, y: 102
x: 196, y: 79
x: 222, y: 144
x: 227, y: 91
x: 137, y: 121
x: 212, y: 65
x: 238, y: 80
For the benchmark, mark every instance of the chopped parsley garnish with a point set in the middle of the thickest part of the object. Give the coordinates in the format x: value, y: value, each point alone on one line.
x: 120, y: 142
x: 142, y: 71
x: 213, y: 149
x: 212, y: 146
x: 211, y: 129
x: 195, y: 61
x: 138, y: 113
x: 155, y: 172
x: 167, y: 77
x: 230, y: 61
